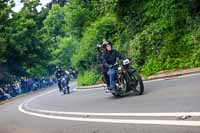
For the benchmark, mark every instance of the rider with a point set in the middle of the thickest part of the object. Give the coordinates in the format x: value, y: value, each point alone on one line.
x: 109, y: 60
x: 60, y: 73
x: 102, y: 68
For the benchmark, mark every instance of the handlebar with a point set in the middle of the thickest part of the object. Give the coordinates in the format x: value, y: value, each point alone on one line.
x: 114, y: 65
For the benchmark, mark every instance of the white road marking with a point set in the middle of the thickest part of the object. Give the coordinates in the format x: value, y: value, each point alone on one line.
x: 167, y: 114
x: 122, y: 121
x: 125, y: 121
x: 158, y: 114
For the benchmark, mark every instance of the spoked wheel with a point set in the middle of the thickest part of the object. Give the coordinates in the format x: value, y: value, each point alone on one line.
x: 121, y: 88
x: 115, y: 94
x: 64, y: 87
x: 136, y: 83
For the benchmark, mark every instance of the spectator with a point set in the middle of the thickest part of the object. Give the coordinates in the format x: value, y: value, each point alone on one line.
x: 17, y: 87
x: 29, y: 84
x: 23, y: 84
x: 11, y: 90
x: 3, y: 95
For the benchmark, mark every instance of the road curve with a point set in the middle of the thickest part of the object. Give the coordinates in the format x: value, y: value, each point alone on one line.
x: 170, y: 105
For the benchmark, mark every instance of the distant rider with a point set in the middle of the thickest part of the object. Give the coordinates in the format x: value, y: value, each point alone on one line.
x: 60, y: 73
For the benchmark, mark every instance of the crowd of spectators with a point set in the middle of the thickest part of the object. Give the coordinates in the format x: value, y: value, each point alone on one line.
x: 23, y: 86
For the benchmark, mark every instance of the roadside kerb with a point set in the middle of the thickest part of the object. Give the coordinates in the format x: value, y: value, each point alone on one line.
x: 154, y: 77
x: 92, y: 86
x: 174, y: 73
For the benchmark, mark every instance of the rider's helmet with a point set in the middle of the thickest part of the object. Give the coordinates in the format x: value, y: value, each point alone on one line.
x: 105, y: 43
x: 98, y: 46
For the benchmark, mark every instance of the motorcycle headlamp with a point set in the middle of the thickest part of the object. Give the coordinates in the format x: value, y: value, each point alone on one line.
x: 119, y: 68
x: 126, y: 62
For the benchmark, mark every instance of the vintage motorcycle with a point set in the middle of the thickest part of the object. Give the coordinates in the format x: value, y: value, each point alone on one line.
x: 128, y: 80
x: 64, y: 81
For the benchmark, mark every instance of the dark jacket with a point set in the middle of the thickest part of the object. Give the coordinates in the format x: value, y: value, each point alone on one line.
x: 1, y: 91
x: 109, y: 58
x: 101, y: 67
x: 60, y: 73
x: 99, y: 58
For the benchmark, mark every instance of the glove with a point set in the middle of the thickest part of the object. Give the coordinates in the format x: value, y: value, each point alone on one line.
x: 110, y: 66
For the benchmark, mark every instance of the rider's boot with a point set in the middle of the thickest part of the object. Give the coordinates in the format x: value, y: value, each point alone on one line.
x: 107, y: 89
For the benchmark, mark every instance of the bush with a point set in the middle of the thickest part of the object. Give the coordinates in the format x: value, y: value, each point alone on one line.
x: 88, y: 77
x: 152, y: 66
x: 85, y: 56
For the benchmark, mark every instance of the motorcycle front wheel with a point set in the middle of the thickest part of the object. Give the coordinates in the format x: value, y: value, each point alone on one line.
x: 63, y: 87
x: 120, y: 88
x: 64, y: 90
x: 136, y: 83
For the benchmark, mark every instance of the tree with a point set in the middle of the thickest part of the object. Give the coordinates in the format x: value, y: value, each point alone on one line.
x: 5, y: 11
x: 54, y: 23
x: 63, y: 53
x: 60, y: 2
x: 25, y: 50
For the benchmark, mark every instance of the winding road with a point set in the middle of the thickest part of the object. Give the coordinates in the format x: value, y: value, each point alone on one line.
x: 168, y: 105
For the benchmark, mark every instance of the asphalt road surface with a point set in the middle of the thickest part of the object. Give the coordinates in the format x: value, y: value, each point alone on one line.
x: 167, y: 106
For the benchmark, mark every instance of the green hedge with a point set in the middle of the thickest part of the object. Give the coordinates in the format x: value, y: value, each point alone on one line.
x: 88, y: 77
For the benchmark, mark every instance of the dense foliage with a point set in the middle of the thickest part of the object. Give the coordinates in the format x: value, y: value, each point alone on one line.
x: 156, y: 35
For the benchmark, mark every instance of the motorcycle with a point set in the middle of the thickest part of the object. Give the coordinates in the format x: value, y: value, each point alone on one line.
x: 127, y: 80
x: 64, y: 81
x: 73, y: 74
